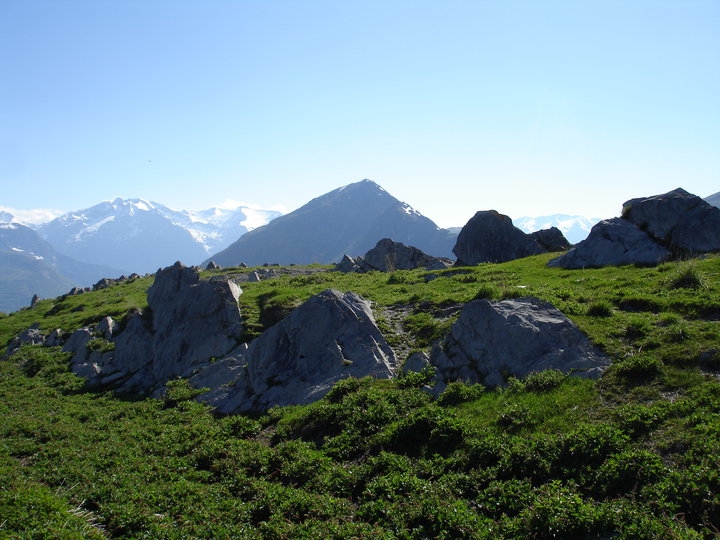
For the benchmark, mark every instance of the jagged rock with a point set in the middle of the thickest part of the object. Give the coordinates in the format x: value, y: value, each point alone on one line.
x: 388, y: 256
x: 31, y: 336
x: 613, y: 242
x: 491, y: 237
x: 551, y: 239
x: 681, y: 221
x: 211, y: 266
x: 75, y: 291
x: 35, y: 299
x: 492, y: 341
x: 104, y: 283
x: 349, y: 264
x: 106, y: 327
x: 329, y: 337
x: 77, y: 344
x: 188, y: 322
x: 261, y: 275
x: 416, y: 362
x: 54, y: 338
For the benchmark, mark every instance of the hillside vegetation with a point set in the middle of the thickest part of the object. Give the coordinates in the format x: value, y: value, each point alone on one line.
x: 632, y: 455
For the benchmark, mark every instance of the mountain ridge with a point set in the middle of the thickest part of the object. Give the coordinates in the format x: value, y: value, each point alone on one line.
x: 347, y: 220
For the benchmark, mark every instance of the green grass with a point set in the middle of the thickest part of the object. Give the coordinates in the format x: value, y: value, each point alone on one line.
x: 632, y: 455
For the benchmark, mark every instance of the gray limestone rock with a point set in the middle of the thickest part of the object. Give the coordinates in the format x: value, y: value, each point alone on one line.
x: 681, y: 221
x: 189, y: 321
x: 330, y: 337
x: 350, y: 264
x: 31, y: 336
x: 613, y: 242
x: 492, y: 341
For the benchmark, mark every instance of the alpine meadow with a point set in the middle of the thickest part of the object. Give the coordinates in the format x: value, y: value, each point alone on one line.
x: 632, y: 454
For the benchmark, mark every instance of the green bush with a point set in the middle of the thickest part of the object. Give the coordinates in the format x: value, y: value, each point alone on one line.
x: 460, y: 392
x: 629, y: 471
x: 427, y: 431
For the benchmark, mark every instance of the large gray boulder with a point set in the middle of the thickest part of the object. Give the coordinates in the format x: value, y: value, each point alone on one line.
x: 651, y: 230
x: 491, y: 237
x: 492, y: 341
x: 683, y: 222
x: 330, y: 337
x: 613, y: 242
x: 188, y: 323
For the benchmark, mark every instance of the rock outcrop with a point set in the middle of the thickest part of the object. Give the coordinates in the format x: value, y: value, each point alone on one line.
x: 613, y: 242
x: 188, y: 322
x: 492, y: 341
x: 491, y: 237
x: 388, y: 256
x: 551, y: 239
x: 651, y: 230
x: 329, y: 337
x: 31, y: 336
x: 681, y: 221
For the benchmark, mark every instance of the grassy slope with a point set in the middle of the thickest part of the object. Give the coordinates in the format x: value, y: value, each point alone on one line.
x: 632, y: 454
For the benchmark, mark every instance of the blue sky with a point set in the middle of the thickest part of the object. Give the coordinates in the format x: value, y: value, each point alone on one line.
x: 526, y: 107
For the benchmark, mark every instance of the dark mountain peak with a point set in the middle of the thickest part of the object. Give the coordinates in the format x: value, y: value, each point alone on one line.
x: 347, y: 220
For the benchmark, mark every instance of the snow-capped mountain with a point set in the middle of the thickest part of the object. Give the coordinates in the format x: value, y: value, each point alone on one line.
x: 141, y: 236
x: 217, y: 227
x: 575, y: 228
x: 30, y: 266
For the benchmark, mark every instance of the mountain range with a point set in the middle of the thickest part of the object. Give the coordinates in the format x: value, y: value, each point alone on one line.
x: 29, y: 265
x: 574, y: 228
x: 127, y: 236
x: 140, y: 236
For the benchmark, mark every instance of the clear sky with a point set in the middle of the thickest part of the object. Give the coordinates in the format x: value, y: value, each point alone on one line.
x: 526, y: 107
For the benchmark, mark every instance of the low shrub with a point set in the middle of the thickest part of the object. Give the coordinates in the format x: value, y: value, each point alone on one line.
x: 638, y: 368
x: 600, y: 308
x: 629, y: 471
x: 460, y: 392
